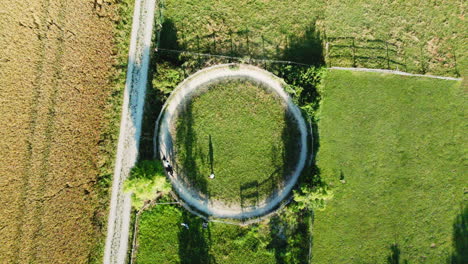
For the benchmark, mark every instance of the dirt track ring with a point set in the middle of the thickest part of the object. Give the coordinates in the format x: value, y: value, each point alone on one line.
x: 164, y: 142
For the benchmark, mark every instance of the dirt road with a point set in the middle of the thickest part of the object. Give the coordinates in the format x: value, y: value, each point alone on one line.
x: 130, y: 131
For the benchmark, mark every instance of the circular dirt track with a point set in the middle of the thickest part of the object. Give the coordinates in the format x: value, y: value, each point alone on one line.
x: 191, y: 198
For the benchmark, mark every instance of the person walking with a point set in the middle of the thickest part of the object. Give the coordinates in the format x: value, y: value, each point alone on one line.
x: 167, y: 166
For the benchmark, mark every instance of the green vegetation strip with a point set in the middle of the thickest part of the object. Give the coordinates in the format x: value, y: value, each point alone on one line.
x: 162, y: 239
x: 424, y: 38
x: 398, y: 145
x: 243, y: 134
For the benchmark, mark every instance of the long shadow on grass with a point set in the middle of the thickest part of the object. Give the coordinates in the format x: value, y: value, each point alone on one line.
x: 460, y: 238
x: 155, y: 98
x: 307, y: 48
x: 395, y: 255
x: 188, y: 159
x: 289, y: 239
x: 211, y: 153
x: 169, y: 40
x: 195, y: 241
x: 305, y: 81
x: 278, y: 239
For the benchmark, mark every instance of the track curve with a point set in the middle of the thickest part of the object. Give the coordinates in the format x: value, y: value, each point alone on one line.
x: 164, y: 142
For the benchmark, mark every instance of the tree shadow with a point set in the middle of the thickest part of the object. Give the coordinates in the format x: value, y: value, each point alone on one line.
x: 169, y: 40
x: 249, y: 195
x: 194, y: 241
x: 278, y: 238
x: 307, y: 49
x: 305, y: 80
x: 460, y: 238
x: 394, y: 257
x: 288, y: 240
x: 155, y: 98
x: 186, y: 139
x: 291, y: 145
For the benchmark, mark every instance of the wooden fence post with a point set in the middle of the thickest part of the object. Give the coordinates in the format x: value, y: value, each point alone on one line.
x: 198, y: 48
x: 354, y: 54
x: 214, y: 42
x: 263, y: 51
x: 388, y: 56
x: 457, y: 73
x: 232, y: 44
x: 423, y: 69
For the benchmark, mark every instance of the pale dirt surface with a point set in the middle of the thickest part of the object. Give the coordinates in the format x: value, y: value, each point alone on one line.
x: 118, y: 224
x: 55, y: 65
x: 397, y: 73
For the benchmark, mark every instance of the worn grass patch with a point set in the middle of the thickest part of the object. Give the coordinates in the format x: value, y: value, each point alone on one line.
x: 241, y: 133
x: 398, y: 143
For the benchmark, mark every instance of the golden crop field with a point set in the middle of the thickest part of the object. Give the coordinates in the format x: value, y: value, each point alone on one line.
x: 56, y: 65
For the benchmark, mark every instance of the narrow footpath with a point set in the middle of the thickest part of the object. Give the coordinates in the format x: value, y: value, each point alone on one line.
x: 130, y: 130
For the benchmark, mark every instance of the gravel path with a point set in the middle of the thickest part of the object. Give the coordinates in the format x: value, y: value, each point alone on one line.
x: 395, y: 72
x: 165, y: 140
x: 130, y: 130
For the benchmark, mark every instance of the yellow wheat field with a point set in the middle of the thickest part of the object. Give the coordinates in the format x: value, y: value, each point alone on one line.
x: 56, y: 60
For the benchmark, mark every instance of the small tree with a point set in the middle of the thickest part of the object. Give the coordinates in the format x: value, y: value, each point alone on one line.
x: 146, y: 182
x: 312, y: 198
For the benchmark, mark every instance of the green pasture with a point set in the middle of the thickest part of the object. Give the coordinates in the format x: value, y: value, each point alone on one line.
x: 243, y: 134
x: 404, y: 35
x: 162, y: 239
x: 398, y: 144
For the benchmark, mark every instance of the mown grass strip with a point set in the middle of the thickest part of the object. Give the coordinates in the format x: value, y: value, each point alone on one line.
x: 244, y: 135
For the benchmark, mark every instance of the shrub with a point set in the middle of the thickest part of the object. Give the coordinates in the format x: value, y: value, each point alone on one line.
x: 312, y: 198
x: 146, y: 182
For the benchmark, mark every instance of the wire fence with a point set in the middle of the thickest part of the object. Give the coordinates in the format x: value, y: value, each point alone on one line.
x: 311, y: 48
x: 379, y: 54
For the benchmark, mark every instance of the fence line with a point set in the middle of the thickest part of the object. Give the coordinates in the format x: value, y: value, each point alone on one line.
x: 396, y: 72
x: 388, y: 71
x: 384, y: 54
x: 232, y: 57
x: 337, y: 51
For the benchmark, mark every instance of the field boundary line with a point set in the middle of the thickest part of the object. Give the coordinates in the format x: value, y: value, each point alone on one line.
x: 395, y: 72
x: 51, y: 120
x: 308, y: 65
x: 118, y: 225
x: 39, y: 71
x: 232, y: 57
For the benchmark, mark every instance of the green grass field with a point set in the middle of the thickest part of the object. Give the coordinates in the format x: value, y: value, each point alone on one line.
x: 242, y: 134
x: 427, y: 38
x: 398, y: 142
x: 162, y: 239
x: 424, y: 38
